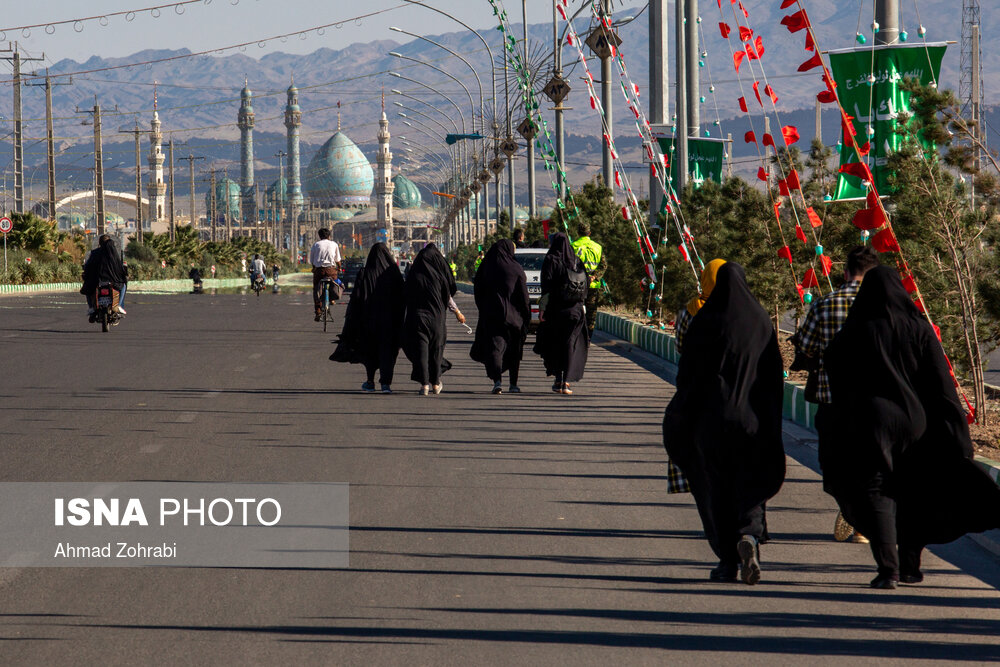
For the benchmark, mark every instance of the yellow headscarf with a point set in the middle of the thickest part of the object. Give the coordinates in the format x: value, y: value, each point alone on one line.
x: 707, y: 285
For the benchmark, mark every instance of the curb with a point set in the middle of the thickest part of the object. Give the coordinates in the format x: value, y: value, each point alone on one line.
x: 794, y: 407
x: 172, y: 285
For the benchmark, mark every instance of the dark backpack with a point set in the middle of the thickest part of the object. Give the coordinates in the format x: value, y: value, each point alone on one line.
x: 575, y: 288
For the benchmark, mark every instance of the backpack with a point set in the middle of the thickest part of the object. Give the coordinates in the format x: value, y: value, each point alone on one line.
x: 574, y: 290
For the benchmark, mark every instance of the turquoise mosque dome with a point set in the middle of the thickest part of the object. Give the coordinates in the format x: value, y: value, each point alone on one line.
x: 339, y: 175
x: 333, y: 215
x: 406, y: 194
x: 222, y: 187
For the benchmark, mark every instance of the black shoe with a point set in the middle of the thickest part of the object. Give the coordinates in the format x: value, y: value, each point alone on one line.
x: 317, y: 318
x: 497, y: 388
x: 749, y: 565
x: 911, y: 578
x: 93, y: 318
x: 724, y: 572
x: 885, y: 582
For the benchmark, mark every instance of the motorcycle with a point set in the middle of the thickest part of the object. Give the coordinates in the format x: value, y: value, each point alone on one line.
x: 107, y: 311
x: 257, y: 283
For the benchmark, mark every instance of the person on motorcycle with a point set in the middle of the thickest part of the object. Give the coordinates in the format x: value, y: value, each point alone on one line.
x: 257, y: 269
x: 275, y: 272
x: 104, y: 265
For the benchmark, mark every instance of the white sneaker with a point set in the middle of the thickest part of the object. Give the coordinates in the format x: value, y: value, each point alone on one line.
x: 424, y: 390
x: 121, y: 311
x: 438, y: 387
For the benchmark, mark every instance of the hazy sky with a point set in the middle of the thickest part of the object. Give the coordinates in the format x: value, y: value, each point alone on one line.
x: 210, y: 24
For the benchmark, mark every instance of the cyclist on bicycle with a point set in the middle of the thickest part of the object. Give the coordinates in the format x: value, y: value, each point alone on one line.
x: 257, y: 269
x: 325, y: 259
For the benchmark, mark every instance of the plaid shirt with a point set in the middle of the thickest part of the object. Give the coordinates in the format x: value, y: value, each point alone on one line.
x: 681, y: 324
x: 821, y: 325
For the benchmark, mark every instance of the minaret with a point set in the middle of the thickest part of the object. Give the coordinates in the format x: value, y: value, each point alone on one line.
x: 156, y: 189
x: 293, y: 121
x: 245, y: 120
x: 383, y: 178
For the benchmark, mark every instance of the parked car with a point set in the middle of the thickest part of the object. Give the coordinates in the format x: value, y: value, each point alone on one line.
x: 531, y: 260
x: 351, y: 267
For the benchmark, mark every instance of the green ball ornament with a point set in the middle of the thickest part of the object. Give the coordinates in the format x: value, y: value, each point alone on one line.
x: 649, y: 313
x: 707, y: 133
x: 808, y: 298
x: 701, y: 63
x: 819, y: 250
x: 903, y: 36
x: 702, y: 99
x: 861, y: 38
x: 652, y: 286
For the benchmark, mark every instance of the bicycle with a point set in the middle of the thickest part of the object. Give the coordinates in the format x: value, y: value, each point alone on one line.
x: 326, y: 315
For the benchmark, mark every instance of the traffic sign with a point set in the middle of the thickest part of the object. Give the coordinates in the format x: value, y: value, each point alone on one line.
x: 603, y: 42
x: 6, y: 224
x: 527, y: 129
x: 508, y: 146
x: 556, y: 89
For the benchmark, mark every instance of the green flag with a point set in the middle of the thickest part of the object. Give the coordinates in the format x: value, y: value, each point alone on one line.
x: 875, y: 103
x: 705, y: 158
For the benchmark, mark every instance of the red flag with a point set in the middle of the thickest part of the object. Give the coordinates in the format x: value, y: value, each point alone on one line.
x: 797, y: 21
x: 783, y: 188
x: 684, y: 252
x: 750, y: 137
x: 725, y: 29
x: 738, y: 59
x: 784, y: 5
x: 814, y: 219
x: 858, y: 169
x: 746, y: 34
x: 884, y: 241
x: 909, y: 283
x: 545, y: 228
x: 826, y: 97
x: 793, y: 180
x: 919, y: 303
x: 800, y: 234
x: 743, y: 104
x: 757, y: 92
x: 825, y: 265
x: 761, y: 174
x: 872, y: 199
x: 790, y: 133
x: 768, y: 140
x: 812, y: 63
x: 769, y: 91
x: 809, y: 279
x: 869, y: 218
x: 759, y: 46
x: 777, y: 211
x: 743, y: 9
x: 810, y: 44
x: 802, y: 293
x: 786, y: 252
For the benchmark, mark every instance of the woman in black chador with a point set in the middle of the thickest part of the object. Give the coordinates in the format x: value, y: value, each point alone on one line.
x: 501, y: 290
x: 104, y: 265
x: 723, y: 426
x: 904, y: 472
x: 429, y: 289
x: 562, y: 339
x: 373, y: 324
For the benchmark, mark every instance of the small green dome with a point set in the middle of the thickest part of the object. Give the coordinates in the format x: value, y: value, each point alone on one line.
x: 406, y: 194
x: 336, y: 215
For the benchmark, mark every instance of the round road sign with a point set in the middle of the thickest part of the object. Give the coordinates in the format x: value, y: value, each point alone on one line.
x: 6, y: 225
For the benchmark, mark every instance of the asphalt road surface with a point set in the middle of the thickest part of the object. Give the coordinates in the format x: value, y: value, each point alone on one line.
x: 512, y: 529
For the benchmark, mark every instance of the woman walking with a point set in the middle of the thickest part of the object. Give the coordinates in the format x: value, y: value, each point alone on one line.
x: 373, y: 323
x: 562, y: 339
x: 501, y: 291
x: 429, y: 290
x: 723, y: 426
x: 903, y: 471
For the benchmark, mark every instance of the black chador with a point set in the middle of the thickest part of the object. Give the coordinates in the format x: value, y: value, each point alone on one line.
x: 373, y: 323
x: 501, y: 291
x: 723, y: 426
x: 903, y: 471
x: 562, y: 339
x: 429, y: 287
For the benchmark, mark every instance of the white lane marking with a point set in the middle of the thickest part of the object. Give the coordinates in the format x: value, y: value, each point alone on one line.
x: 211, y: 393
x: 185, y: 417
x: 150, y: 449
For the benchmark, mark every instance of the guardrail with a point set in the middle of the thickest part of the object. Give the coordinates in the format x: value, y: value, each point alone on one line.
x: 795, y: 408
x: 172, y: 285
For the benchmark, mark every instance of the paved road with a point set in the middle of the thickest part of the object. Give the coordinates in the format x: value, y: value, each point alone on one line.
x: 529, y: 529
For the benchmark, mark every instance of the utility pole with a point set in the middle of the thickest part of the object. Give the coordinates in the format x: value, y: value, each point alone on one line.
x: 559, y: 108
x: 98, y: 167
x: 191, y: 159
x: 532, y: 207
x: 278, y: 208
x: 659, y: 103
x: 693, y: 83
x: 680, y: 156
x: 212, y: 202
x: 170, y: 190
x: 50, y: 140
x: 15, y: 59
x: 971, y: 83
x: 819, y: 121
x: 138, y: 180
x: 608, y: 166
x: 887, y: 17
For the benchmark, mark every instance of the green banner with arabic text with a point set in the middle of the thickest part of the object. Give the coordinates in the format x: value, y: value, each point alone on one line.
x: 705, y: 158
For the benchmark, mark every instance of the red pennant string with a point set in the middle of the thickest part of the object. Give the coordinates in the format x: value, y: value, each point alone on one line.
x: 743, y: 104
x: 812, y: 63
x: 768, y: 140
x: 793, y: 180
x: 825, y: 265
x: 810, y: 44
x: 797, y: 21
x: 790, y: 133
x: 625, y: 213
x: 865, y: 149
x: 857, y: 169
x: 919, y: 303
x: 826, y: 97
x: 784, y: 5
x: 869, y: 218
x: 684, y: 252
x: 783, y: 188
x: 777, y: 211
x: 872, y: 199
x: 885, y: 241
x: 746, y: 34
x: 646, y: 242
x: 800, y: 234
x: 761, y: 174
x: 743, y: 9
x: 809, y: 279
x: 738, y: 59
x: 786, y: 252
x: 814, y: 219
x: 769, y: 91
x: 757, y: 92
x: 909, y: 283
x: 750, y: 138
x: 830, y: 83
x: 758, y: 46
x: 802, y: 293
x: 725, y: 29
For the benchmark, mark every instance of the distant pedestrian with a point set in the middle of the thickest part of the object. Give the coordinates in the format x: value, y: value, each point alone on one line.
x: 562, y: 339
x: 723, y: 426
x: 373, y: 323
x: 518, y: 237
x: 501, y: 291
x: 429, y: 290
x: 591, y: 253
x: 822, y: 323
x: 903, y: 471
x: 479, y: 260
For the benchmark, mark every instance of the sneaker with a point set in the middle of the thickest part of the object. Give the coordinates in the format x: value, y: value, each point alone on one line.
x: 497, y: 388
x: 513, y: 389
x: 723, y: 572
x: 386, y: 389
x: 841, y: 529
x: 885, y: 582
x: 858, y: 538
x: 911, y: 578
x: 438, y: 387
x: 424, y: 389
x: 368, y: 387
x: 317, y: 318
x: 565, y: 389
x: 121, y: 311
x: 749, y: 565
x: 557, y: 387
